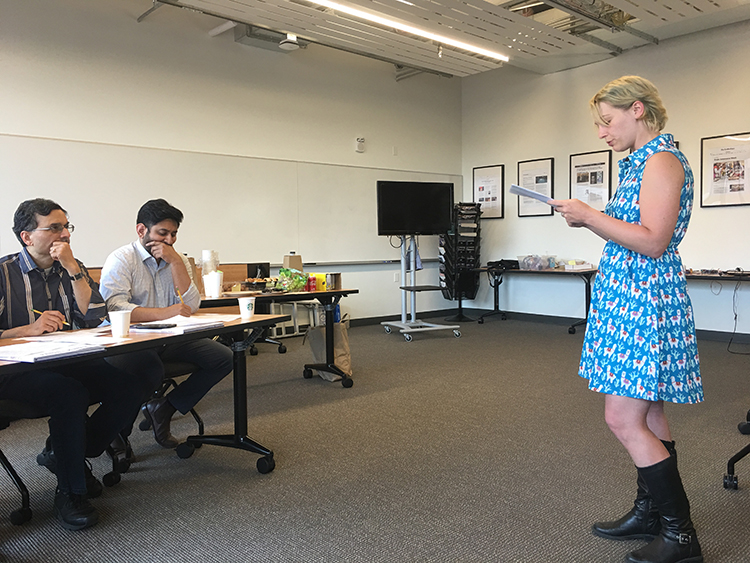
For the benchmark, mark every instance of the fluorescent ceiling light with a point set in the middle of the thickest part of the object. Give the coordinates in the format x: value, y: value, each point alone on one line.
x: 408, y: 29
x: 531, y: 5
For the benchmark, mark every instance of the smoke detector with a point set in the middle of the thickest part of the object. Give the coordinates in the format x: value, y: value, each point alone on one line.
x: 290, y: 43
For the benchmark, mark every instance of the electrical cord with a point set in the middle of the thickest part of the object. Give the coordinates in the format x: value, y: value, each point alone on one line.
x: 736, y: 314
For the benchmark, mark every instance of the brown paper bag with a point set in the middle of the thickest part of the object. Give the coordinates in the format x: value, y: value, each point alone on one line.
x: 341, y: 352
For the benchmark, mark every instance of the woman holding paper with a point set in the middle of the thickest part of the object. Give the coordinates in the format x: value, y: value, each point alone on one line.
x: 640, y: 347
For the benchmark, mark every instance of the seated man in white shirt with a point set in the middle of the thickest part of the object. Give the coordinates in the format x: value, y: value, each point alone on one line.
x: 154, y: 281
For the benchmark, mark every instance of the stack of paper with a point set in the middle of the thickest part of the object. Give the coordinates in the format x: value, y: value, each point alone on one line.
x: 40, y: 351
x: 182, y: 324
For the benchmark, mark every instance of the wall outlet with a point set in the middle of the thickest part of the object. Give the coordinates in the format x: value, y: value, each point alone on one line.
x: 396, y: 275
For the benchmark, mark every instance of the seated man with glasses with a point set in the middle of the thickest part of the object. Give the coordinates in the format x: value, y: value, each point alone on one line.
x: 43, y: 288
x: 154, y: 282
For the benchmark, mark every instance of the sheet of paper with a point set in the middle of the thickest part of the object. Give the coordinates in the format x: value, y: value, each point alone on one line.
x: 39, y: 351
x: 96, y: 336
x: 518, y: 190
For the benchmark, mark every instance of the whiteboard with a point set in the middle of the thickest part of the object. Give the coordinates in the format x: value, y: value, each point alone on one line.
x: 248, y: 209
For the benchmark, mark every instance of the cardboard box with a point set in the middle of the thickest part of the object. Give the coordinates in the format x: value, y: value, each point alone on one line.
x: 333, y: 280
x: 293, y: 262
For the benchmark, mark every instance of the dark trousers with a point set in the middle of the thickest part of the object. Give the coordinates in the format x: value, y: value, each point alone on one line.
x: 65, y: 393
x: 214, y: 361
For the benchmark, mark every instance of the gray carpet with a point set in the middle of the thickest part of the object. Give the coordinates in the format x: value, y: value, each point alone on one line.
x: 478, y: 449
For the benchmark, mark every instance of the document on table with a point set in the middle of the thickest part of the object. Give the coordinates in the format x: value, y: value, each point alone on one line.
x: 97, y: 336
x: 185, y: 324
x: 36, y: 351
x: 518, y: 190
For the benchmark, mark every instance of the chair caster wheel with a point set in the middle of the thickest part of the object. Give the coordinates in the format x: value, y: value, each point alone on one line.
x: 387, y: 329
x: 265, y: 465
x: 307, y: 373
x: 457, y: 333
x: 571, y: 330
x: 347, y: 382
x: 18, y: 517
x: 253, y: 350
x: 730, y: 482
x: 111, y: 479
x: 185, y: 450
x: 744, y: 427
x: 407, y: 337
x: 480, y: 321
x: 123, y: 465
x: 144, y: 425
x: 282, y: 349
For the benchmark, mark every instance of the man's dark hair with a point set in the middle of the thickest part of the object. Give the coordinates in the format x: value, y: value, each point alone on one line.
x: 158, y: 210
x: 25, y: 216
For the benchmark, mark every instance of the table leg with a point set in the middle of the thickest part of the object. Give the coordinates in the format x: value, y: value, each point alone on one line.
x: 239, y: 439
x: 587, y: 280
x: 498, y: 276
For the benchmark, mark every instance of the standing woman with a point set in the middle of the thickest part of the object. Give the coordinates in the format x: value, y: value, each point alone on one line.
x: 640, y: 347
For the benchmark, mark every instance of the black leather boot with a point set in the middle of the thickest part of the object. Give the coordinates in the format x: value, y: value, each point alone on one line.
x: 678, y: 542
x: 642, y: 522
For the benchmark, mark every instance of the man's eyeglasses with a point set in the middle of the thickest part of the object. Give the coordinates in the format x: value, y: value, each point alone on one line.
x: 57, y: 228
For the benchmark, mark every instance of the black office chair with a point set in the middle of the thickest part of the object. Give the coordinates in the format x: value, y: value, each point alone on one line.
x: 9, y: 412
x: 14, y: 410
x: 730, y: 479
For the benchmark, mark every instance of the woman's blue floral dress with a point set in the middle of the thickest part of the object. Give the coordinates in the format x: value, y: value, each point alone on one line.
x: 640, y: 335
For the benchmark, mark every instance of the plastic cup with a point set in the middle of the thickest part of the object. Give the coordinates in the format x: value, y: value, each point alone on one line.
x: 212, y: 284
x: 247, y: 307
x: 120, y: 321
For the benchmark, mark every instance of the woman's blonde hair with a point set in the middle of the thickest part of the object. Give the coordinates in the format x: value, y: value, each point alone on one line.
x: 624, y: 92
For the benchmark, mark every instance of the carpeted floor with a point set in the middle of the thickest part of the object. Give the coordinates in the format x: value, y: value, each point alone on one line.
x: 486, y: 448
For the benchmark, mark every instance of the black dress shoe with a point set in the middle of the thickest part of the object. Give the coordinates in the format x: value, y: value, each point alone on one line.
x: 74, y: 512
x: 159, y: 413
x: 93, y: 485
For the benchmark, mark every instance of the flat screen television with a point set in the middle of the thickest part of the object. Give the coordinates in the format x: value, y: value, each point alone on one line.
x: 414, y: 208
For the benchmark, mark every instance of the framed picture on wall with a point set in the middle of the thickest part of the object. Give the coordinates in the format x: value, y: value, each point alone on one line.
x: 489, y: 189
x: 724, y: 176
x: 591, y: 178
x: 537, y: 175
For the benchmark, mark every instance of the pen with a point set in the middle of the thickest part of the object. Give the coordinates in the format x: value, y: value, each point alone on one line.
x: 39, y: 313
x: 179, y: 295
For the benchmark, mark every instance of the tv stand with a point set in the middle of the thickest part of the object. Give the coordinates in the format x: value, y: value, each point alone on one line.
x: 407, y: 327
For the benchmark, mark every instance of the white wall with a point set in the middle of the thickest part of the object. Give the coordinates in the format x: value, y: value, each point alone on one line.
x: 511, y: 115
x: 87, y: 71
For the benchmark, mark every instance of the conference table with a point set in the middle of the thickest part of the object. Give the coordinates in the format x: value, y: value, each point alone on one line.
x: 497, y: 274
x: 242, y: 333
x: 328, y: 298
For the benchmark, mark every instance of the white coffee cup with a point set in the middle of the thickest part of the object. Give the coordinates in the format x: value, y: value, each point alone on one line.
x: 120, y: 321
x: 212, y: 284
x: 247, y: 307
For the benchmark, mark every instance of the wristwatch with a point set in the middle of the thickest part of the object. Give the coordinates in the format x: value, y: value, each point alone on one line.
x: 78, y: 276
